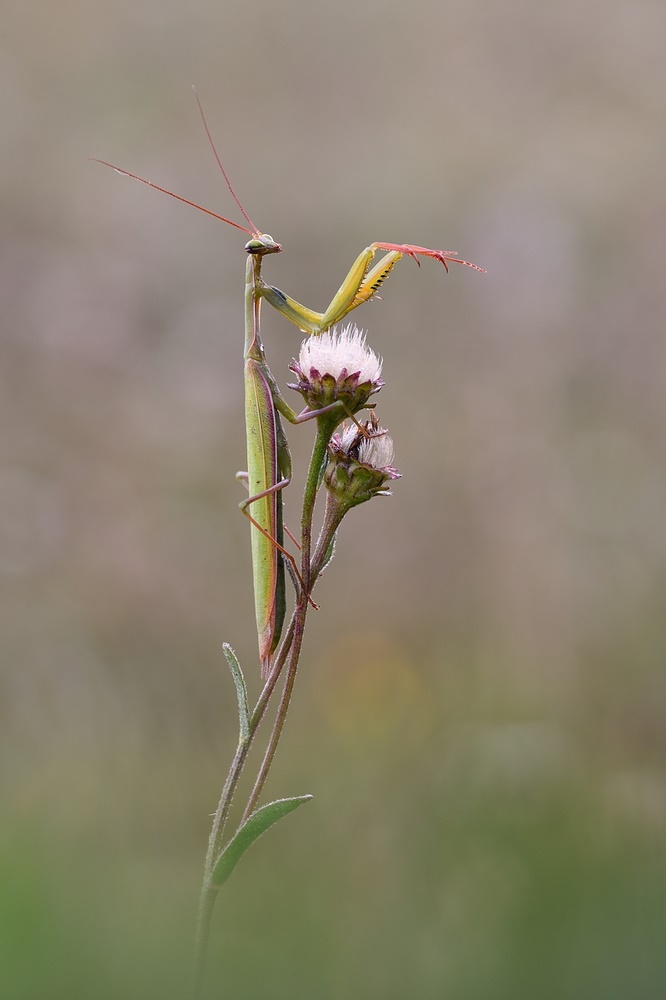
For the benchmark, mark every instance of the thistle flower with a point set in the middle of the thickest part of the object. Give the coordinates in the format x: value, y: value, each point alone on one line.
x: 360, y: 463
x: 337, y: 366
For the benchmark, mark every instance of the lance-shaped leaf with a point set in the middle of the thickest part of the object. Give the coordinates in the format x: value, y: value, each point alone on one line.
x: 241, y: 691
x: 252, y: 828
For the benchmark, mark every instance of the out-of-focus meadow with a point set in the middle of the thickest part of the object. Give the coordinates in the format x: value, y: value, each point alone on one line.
x: 482, y: 707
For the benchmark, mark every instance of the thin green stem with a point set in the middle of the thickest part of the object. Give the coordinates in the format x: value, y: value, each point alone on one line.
x: 283, y: 707
x: 290, y: 649
x: 208, y: 893
x: 333, y: 515
x: 325, y: 427
x: 237, y: 764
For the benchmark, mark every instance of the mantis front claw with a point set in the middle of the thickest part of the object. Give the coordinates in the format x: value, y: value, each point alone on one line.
x: 445, y: 257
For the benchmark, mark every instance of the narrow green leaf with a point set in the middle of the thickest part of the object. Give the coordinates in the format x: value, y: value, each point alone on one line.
x: 241, y: 691
x: 252, y: 828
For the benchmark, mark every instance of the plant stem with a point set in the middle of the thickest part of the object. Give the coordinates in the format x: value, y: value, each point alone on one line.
x: 324, y: 429
x: 283, y: 707
x: 208, y: 892
x: 333, y: 515
x: 290, y: 649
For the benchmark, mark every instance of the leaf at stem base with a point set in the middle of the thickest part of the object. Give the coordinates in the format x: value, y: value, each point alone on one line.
x: 252, y: 828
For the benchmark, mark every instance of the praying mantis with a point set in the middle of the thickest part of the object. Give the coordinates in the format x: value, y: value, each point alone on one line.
x: 268, y: 457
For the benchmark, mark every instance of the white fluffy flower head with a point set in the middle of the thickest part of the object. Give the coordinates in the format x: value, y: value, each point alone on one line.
x: 340, y: 349
x: 337, y: 366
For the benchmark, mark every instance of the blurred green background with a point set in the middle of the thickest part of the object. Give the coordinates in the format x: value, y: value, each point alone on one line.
x: 482, y: 706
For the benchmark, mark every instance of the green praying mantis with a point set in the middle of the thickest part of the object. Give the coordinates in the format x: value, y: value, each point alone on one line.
x: 268, y: 456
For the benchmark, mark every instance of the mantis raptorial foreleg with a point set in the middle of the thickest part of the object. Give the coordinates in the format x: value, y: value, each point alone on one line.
x: 359, y: 286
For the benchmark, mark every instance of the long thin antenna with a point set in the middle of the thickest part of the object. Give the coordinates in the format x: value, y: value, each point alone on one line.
x: 255, y: 231
x: 178, y: 197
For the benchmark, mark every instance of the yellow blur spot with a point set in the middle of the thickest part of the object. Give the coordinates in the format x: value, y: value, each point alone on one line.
x: 371, y: 690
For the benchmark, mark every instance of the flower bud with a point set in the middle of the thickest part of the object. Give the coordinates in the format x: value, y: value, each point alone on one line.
x: 360, y: 463
x: 337, y: 366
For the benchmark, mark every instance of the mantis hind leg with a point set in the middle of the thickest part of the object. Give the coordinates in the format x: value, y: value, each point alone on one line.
x: 244, y: 504
x: 270, y: 601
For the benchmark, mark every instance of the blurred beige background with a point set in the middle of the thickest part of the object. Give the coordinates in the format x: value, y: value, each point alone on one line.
x: 481, y: 711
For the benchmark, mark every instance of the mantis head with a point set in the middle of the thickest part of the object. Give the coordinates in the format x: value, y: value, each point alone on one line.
x: 262, y: 243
